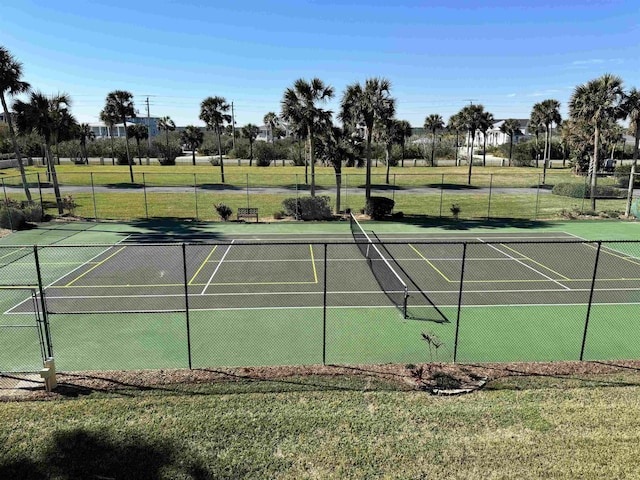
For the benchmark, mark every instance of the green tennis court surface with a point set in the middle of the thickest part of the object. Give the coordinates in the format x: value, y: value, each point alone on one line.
x: 283, y: 298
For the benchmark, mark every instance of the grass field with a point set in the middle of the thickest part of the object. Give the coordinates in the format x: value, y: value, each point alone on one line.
x: 556, y: 426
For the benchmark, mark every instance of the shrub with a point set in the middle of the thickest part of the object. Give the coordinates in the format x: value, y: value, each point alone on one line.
x: 308, y: 208
x: 379, y: 207
x: 11, y: 218
x: 167, y: 156
x: 33, y: 213
x: 241, y: 149
x: 215, y: 161
x: 265, y: 153
x: 621, y: 174
x: 69, y: 204
x: 278, y: 215
x: 224, y: 211
x: 455, y: 210
x: 582, y: 190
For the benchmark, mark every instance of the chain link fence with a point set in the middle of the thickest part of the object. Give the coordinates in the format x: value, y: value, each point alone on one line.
x: 241, y: 303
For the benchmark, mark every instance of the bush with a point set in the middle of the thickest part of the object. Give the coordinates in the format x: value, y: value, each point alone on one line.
x: 12, y: 218
x: 379, y: 207
x: 33, y: 213
x: 582, y: 190
x: 69, y: 204
x: 265, y: 153
x: 241, y: 149
x: 308, y: 208
x: 224, y: 211
x: 167, y: 156
x: 278, y: 215
x: 621, y: 174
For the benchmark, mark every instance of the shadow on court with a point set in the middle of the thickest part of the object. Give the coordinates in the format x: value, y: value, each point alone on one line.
x: 426, y: 221
x: 172, y: 230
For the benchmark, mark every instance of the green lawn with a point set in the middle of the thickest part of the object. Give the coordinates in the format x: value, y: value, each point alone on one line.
x: 562, y: 427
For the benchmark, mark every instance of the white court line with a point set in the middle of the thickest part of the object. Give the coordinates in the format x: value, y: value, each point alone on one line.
x: 524, y: 264
x: 628, y: 257
x: 69, y: 273
x: 217, y: 268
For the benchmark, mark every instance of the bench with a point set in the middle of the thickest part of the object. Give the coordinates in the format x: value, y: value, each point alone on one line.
x: 248, y: 213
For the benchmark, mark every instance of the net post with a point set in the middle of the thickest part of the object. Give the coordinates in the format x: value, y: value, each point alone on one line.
x: 186, y: 302
x: 455, y: 342
x: 45, y: 314
x: 324, y: 311
x: 593, y: 284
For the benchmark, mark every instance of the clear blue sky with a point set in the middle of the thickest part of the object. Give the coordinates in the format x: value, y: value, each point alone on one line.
x: 505, y: 54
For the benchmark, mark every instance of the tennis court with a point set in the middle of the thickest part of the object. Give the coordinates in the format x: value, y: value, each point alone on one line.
x: 280, y: 298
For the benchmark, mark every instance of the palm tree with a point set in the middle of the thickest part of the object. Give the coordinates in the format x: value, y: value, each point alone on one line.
x: 536, y: 125
x: 405, y: 130
x: 387, y: 133
x: 548, y: 111
x: 300, y: 107
x: 271, y: 120
x: 250, y: 132
x: 334, y: 149
x: 109, y: 118
x: 595, y: 103
x: 213, y: 114
x: 471, y: 116
x: 10, y: 83
x: 486, y: 122
x: 85, y: 133
x: 631, y: 109
x: 193, y: 137
x: 166, y: 125
x: 39, y: 115
x: 456, y: 125
x: 120, y: 102
x: 139, y: 132
x: 432, y: 123
x: 510, y: 127
x: 367, y: 105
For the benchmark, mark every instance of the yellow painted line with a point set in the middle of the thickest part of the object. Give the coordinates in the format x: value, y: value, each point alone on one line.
x: 181, y: 285
x: 533, y: 261
x: 13, y: 251
x: 203, y: 264
x: 613, y: 254
x: 430, y: 264
x: 313, y: 262
x: 95, y: 266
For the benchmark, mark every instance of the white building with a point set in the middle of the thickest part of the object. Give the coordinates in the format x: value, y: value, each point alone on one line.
x: 496, y: 137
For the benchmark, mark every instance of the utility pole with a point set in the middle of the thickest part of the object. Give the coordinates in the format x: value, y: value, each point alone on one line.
x: 233, y: 126
x: 148, y: 132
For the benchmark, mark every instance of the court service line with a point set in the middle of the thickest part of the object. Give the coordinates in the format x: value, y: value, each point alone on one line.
x: 429, y: 263
x: 524, y: 264
x: 203, y: 264
x: 313, y: 262
x: 217, y: 268
x: 13, y: 251
x: 532, y: 260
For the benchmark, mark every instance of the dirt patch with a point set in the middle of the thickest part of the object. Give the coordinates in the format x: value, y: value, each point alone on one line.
x: 437, y: 378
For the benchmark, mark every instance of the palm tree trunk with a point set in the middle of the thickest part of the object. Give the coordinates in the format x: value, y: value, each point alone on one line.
x: 544, y: 160
x: 594, y: 177
x: 54, y: 177
x: 113, y: 154
x: 367, y: 187
x: 193, y: 155
x: 484, y: 149
x: 126, y: 142
x: 312, y: 160
x: 338, y: 188
x: 139, y: 154
x: 457, y: 139
x: 388, y: 158
x: 634, y: 165
x: 250, y: 152
x: 471, y: 159
x: 402, y: 147
x: 510, y: 148
x: 306, y: 161
x: 433, y: 146
x: 16, y: 148
x: 220, y: 153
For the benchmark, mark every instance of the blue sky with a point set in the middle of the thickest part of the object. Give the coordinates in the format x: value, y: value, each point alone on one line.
x: 438, y: 55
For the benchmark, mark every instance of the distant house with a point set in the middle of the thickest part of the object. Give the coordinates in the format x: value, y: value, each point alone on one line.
x: 496, y: 137
x: 264, y: 134
x: 100, y: 130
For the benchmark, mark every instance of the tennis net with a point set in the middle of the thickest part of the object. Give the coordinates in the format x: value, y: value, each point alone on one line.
x: 390, y: 282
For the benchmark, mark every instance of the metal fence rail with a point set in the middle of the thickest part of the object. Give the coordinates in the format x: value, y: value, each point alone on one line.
x: 131, y: 305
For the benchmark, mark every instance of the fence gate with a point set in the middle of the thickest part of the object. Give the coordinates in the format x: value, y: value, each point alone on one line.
x: 24, y: 332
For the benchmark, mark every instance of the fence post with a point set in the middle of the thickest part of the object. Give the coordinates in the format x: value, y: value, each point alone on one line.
x: 6, y: 204
x: 593, y: 284
x: 45, y: 314
x: 195, y: 192
x: 441, y: 193
x: 93, y: 194
x: 144, y: 189
x: 455, y: 344
x: 535, y: 215
x: 324, y: 311
x: 490, y: 187
x: 186, y: 301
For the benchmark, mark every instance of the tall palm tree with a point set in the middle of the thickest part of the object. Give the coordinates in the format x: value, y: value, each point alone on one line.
x: 388, y: 134
x: 433, y: 123
x: 138, y: 132
x: 213, y: 114
x: 39, y: 115
x: 486, y: 122
x: 631, y: 109
x: 300, y: 106
x: 120, y: 103
x: 404, y: 128
x: 335, y: 150
x: 250, y: 132
x: 193, y: 137
x: 456, y: 124
x: 12, y: 85
x: 166, y: 125
x: 549, y: 113
x: 109, y: 118
x: 271, y: 120
x: 536, y: 125
x: 85, y: 133
x: 367, y: 105
x: 510, y: 127
x: 595, y: 103
x: 471, y: 116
